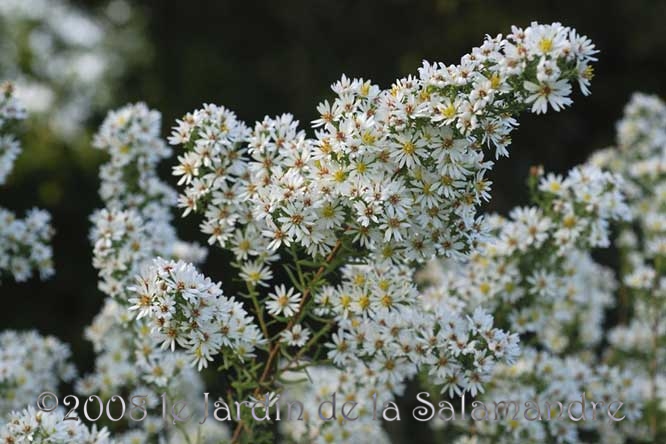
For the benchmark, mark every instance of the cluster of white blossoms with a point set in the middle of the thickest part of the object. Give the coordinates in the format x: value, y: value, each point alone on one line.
x: 24, y: 243
x: 641, y: 157
x: 11, y: 110
x: 386, y: 333
x: 637, y: 342
x: 544, y: 380
x: 136, y: 224
x: 400, y: 172
x: 30, y: 364
x: 183, y: 307
x: 535, y: 274
x: 130, y: 361
x: 580, y: 291
x: 67, y: 62
x: 131, y: 137
x: 391, y: 178
x: 38, y: 427
x: 133, y: 228
x: 534, y: 271
x: 317, y: 387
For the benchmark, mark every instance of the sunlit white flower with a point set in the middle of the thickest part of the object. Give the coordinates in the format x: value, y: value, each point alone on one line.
x: 283, y: 302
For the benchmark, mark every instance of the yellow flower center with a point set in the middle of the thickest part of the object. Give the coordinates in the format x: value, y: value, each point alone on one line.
x: 569, y: 221
x: 449, y: 112
x: 368, y: 138
x: 545, y: 44
x: 495, y: 81
x: 328, y: 211
x: 588, y: 73
x: 408, y: 148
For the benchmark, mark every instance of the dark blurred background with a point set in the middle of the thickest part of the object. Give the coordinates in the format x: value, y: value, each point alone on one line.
x: 261, y: 57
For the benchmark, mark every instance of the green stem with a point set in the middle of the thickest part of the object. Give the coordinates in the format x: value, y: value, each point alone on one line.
x: 257, y: 307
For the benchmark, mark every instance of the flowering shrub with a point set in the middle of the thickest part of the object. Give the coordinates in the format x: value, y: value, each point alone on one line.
x: 363, y: 264
x: 391, y: 177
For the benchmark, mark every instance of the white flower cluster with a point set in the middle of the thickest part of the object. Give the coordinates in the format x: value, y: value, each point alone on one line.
x: 542, y: 378
x: 128, y: 355
x: 534, y: 270
x: 24, y: 243
x: 536, y: 275
x: 570, y: 313
x: 38, y: 427
x: 637, y: 341
x: 131, y: 137
x: 183, y: 307
x: 129, y: 360
x: 390, y: 177
x: 30, y: 364
x: 641, y: 157
x: 317, y: 387
x: 134, y: 228
x: 65, y: 59
x: 123, y: 241
x: 399, y: 171
x: 11, y: 110
x: 387, y: 335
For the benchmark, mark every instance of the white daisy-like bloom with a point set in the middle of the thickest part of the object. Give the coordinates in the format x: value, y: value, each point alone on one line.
x: 553, y: 93
x: 256, y: 273
x: 283, y: 302
x: 297, y: 336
